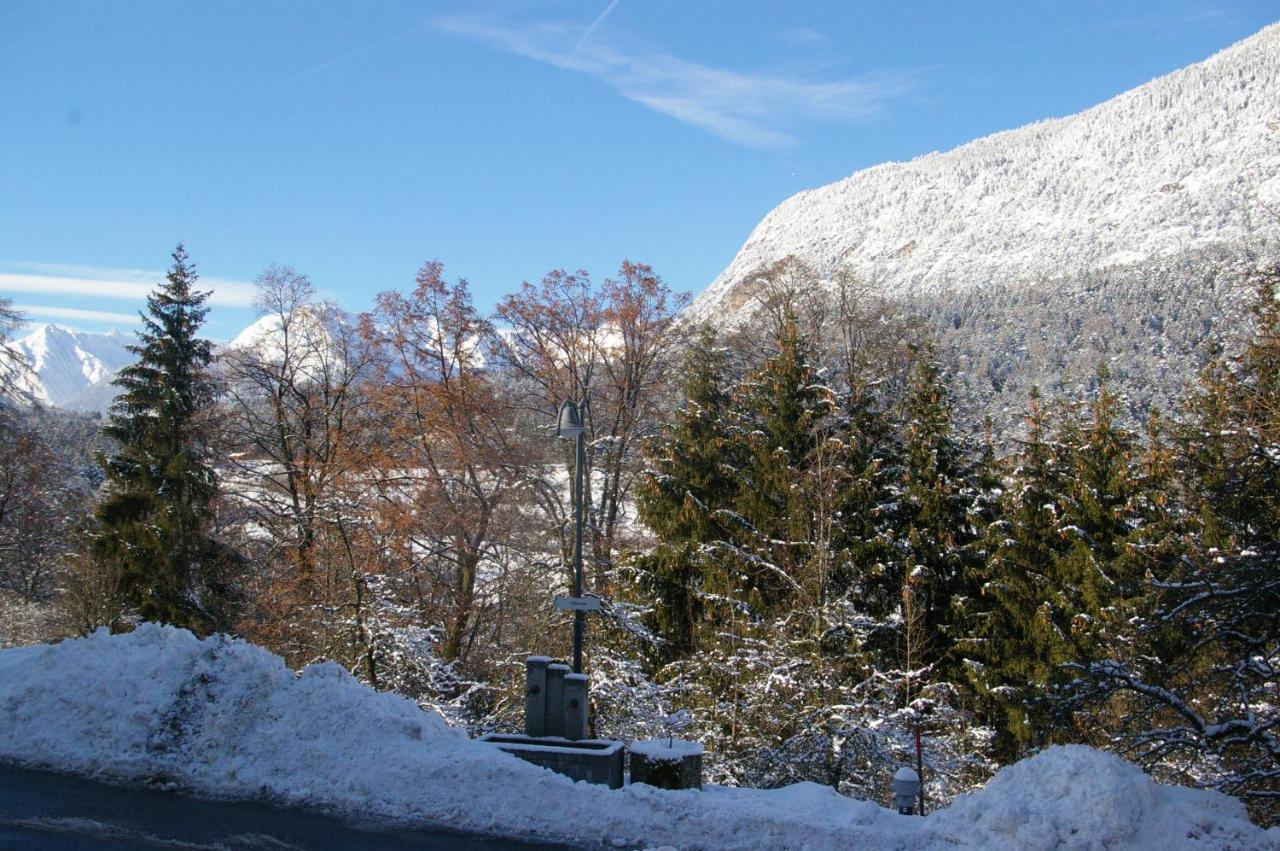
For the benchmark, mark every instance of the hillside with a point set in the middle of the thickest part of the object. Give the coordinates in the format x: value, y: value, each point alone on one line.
x: 1118, y: 234
x: 1176, y: 165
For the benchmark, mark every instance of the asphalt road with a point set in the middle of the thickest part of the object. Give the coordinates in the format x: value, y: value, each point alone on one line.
x: 41, y: 810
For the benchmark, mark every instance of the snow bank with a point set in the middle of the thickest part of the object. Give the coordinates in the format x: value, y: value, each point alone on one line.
x: 223, y: 718
x: 1074, y: 796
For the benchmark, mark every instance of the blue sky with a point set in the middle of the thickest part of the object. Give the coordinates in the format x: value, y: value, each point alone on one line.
x: 354, y: 141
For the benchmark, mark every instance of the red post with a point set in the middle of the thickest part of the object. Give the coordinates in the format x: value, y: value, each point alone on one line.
x: 920, y: 766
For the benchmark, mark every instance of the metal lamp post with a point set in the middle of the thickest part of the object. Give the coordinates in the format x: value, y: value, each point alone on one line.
x: 570, y: 427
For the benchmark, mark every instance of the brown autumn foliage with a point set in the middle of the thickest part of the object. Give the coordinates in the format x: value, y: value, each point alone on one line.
x: 612, y: 347
x: 453, y: 463
x: 295, y: 423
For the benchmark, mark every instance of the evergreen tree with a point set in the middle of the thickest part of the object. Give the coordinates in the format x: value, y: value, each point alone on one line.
x: 155, y: 517
x: 1232, y: 454
x: 786, y: 406
x: 1197, y: 692
x: 936, y: 502
x: 689, y: 482
x: 1019, y: 628
x: 1099, y: 515
x: 868, y: 573
x: 1152, y: 546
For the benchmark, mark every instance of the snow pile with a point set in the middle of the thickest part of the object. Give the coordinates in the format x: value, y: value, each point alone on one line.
x: 1074, y: 796
x: 223, y: 718
x: 666, y: 749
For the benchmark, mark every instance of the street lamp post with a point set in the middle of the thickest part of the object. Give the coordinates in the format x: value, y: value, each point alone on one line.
x: 570, y: 426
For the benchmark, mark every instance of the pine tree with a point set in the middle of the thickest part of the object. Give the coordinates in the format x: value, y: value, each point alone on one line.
x: 155, y: 517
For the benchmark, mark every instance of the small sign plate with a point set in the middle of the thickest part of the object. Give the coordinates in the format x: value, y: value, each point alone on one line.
x: 578, y: 604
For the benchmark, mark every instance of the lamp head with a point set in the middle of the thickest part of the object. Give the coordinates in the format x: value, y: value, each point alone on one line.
x: 569, y: 425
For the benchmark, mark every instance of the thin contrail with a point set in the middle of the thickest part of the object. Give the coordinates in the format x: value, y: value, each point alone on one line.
x: 338, y: 60
x: 586, y: 35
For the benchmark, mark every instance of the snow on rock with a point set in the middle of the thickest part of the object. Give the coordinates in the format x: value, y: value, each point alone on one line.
x: 223, y: 718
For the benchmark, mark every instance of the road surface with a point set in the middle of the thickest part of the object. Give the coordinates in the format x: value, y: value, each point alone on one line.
x: 55, y: 812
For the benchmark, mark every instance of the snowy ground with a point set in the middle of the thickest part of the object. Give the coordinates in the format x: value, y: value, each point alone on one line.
x: 227, y: 719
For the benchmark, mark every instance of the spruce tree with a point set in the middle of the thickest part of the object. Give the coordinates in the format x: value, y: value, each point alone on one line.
x: 865, y: 509
x: 1065, y: 573
x: 1099, y: 513
x: 936, y: 501
x: 156, y: 514
x: 1194, y: 697
x: 689, y: 482
x: 1232, y: 453
x: 1018, y: 629
x: 785, y: 405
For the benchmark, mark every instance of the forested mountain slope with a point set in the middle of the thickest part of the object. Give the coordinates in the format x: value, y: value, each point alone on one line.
x: 1110, y: 234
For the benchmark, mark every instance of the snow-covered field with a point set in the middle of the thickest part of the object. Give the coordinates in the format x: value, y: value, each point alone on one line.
x: 227, y: 719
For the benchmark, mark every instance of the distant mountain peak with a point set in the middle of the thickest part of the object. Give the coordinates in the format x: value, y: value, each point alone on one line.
x: 70, y: 368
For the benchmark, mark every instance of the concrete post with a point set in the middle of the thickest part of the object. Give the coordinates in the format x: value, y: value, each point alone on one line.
x: 535, y: 695
x: 575, y: 706
x: 555, y: 699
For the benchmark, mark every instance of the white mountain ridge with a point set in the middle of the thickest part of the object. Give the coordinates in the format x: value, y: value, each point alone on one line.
x: 1185, y: 162
x: 71, y: 369
x: 305, y: 332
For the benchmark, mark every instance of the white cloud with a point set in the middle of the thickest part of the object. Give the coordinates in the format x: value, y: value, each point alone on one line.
x: 751, y: 109
x: 46, y: 311
x: 229, y: 293
x: 77, y: 270
x: 130, y: 284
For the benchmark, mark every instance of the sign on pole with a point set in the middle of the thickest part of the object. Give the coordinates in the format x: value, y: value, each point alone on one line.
x: 578, y: 604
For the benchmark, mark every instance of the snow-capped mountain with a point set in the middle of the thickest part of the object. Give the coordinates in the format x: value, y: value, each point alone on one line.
x: 308, y: 337
x: 271, y: 334
x: 71, y: 369
x: 1180, y: 165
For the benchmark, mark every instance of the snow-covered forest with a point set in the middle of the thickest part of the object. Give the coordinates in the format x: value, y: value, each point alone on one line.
x: 1184, y: 164
x: 805, y: 550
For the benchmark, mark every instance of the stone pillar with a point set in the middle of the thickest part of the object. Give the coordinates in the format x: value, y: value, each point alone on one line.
x: 555, y: 699
x: 535, y: 695
x: 575, y: 706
